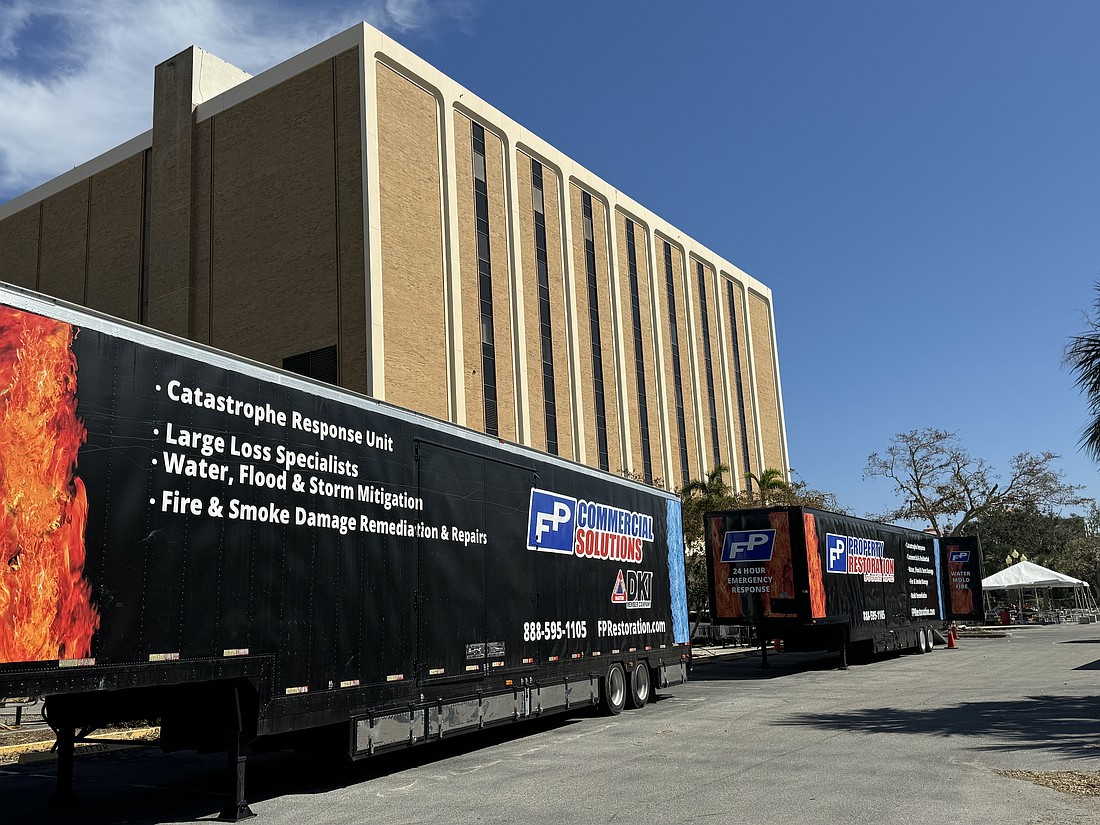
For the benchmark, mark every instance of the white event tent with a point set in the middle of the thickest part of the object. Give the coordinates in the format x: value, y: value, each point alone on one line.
x: 1026, y: 575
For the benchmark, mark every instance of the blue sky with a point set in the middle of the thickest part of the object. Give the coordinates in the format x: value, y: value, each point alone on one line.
x: 917, y: 182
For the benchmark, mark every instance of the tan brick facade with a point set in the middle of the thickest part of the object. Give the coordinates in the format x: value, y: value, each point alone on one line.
x: 704, y: 292
x: 412, y: 245
x: 19, y: 236
x: 760, y: 317
x: 607, y: 348
x: 686, y: 399
x: 504, y: 378
x: 83, y: 243
x: 330, y: 201
x: 559, y: 328
x: 741, y: 357
x: 646, y: 321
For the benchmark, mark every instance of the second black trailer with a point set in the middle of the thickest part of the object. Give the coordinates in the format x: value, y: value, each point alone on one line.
x: 823, y: 581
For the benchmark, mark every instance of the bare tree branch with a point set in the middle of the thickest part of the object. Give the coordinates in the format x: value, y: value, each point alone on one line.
x: 941, y: 483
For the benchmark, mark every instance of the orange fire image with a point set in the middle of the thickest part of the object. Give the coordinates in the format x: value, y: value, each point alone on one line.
x: 46, y: 610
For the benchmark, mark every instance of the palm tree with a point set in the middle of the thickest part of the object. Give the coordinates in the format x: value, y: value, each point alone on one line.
x: 770, y: 484
x: 700, y: 497
x: 1083, y: 359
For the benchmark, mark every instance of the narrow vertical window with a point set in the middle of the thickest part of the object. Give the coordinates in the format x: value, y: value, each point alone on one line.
x: 639, y: 352
x: 707, y: 357
x: 737, y: 378
x: 546, y: 332
x: 594, y: 327
x: 485, y: 282
x: 677, y: 376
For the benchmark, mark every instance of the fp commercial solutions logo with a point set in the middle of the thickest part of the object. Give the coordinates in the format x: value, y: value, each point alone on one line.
x: 551, y: 524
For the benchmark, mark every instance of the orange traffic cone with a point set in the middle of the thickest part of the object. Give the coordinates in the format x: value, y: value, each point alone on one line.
x: 952, y: 636
x: 777, y: 645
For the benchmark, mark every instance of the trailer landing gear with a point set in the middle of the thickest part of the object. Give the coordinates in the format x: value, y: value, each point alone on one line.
x: 235, y: 808
x: 63, y: 795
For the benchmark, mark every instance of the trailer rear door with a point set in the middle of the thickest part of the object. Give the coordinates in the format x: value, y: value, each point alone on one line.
x: 474, y: 593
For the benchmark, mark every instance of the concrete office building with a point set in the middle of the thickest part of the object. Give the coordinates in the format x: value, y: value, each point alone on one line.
x: 355, y: 215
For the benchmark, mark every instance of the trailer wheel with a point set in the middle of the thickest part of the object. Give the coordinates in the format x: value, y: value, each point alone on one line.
x: 640, y: 686
x: 613, y: 693
x: 922, y: 641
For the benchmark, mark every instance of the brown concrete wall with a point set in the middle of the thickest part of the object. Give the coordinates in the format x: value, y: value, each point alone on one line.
x: 19, y: 247
x: 114, y: 240
x: 648, y: 359
x: 171, y: 208
x: 768, y: 398
x: 202, y: 263
x: 611, y: 402
x: 471, y: 304
x: 723, y: 456
x: 559, y: 332
x: 738, y: 318
x: 64, y: 247
x: 273, y: 246
x: 412, y: 245
x: 82, y: 244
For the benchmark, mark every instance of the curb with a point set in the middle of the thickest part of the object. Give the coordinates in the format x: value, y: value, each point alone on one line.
x: 29, y: 753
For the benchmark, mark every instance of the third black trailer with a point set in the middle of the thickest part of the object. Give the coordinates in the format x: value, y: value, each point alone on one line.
x: 823, y: 581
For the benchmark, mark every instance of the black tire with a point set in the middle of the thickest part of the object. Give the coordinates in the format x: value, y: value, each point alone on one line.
x: 613, y: 690
x: 641, y: 687
x: 922, y: 641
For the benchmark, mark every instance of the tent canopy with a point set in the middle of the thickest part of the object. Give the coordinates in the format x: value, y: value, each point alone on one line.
x: 1029, y: 574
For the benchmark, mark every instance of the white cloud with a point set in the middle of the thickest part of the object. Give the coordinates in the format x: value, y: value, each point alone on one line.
x: 76, y: 76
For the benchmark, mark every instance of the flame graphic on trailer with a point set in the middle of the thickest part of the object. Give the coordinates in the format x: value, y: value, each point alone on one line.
x: 45, y: 602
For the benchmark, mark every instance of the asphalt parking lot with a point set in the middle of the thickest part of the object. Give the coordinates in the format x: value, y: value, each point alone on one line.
x: 898, y: 739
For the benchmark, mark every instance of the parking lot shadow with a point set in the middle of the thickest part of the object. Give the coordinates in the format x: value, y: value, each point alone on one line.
x: 747, y: 666
x: 1068, y: 725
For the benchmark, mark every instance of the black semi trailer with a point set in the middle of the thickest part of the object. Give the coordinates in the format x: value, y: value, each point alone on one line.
x: 259, y: 560
x: 823, y: 581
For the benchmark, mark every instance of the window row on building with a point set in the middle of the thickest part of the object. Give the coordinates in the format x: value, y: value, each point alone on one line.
x: 355, y: 215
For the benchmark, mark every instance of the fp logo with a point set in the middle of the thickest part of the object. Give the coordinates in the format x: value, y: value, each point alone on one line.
x: 748, y: 545
x: 837, y: 553
x: 959, y: 555
x: 550, y: 524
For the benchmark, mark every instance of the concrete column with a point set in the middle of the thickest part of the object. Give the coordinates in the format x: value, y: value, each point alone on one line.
x: 180, y: 84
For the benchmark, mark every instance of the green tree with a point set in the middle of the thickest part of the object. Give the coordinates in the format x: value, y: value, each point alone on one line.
x: 1082, y: 356
x: 699, y: 497
x: 713, y: 494
x: 942, y: 484
x: 800, y: 494
x: 770, y: 485
x: 1042, y: 536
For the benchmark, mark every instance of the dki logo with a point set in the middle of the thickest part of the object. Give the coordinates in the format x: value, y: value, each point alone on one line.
x: 635, y: 589
x: 959, y: 555
x: 748, y: 545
